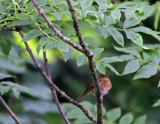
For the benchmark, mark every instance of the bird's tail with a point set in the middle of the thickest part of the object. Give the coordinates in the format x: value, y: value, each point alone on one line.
x: 79, y: 98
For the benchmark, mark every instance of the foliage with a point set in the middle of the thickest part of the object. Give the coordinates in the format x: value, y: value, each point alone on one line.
x: 120, y: 39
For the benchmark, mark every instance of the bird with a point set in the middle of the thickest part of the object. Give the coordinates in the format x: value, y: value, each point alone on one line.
x: 104, y: 84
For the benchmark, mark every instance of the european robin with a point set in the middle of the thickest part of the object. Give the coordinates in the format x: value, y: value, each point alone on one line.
x: 104, y: 84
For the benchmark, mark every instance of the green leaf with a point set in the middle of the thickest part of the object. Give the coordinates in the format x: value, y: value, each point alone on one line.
x: 125, y: 50
x: 114, y: 114
x: 108, y: 20
x: 2, y: 10
x: 145, y: 71
x: 86, y: 3
x: 16, y: 88
x: 63, y: 46
x: 132, y: 66
x: 126, y: 119
x: 151, y: 55
x: 104, y: 32
x: 5, y: 46
x: 68, y: 54
x: 156, y: 104
x: 4, y: 89
x: 87, y: 105
x: 101, y: 2
x: 157, y: 15
x: 101, y: 68
x: 159, y: 84
x: 148, y: 11
x: 50, y: 44
x: 116, y: 15
x: 83, y: 120
x: 68, y: 106
x: 126, y: 57
x: 32, y: 34
x: 103, y: 7
x: 75, y: 113
x: 97, y: 51
x: 112, y: 69
x: 16, y: 92
x: 100, y: 17
x: 135, y: 37
x: 81, y: 60
x: 141, y: 120
x: 116, y: 35
x: 22, y: 22
x: 41, y: 43
x: 83, y: 14
x: 147, y: 31
x: 111, y: 59
x: 3, y: 76
x: 58, y: 15
x: 132, y: 21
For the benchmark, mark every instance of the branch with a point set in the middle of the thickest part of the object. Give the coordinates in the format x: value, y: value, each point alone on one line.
x: 53, y: 90
x: 90, y: 56
x: 57, y: 32
x: 53, y: 86
x: 9, y: 111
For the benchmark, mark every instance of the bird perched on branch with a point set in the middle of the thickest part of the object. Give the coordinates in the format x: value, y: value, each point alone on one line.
x: 104, y: 84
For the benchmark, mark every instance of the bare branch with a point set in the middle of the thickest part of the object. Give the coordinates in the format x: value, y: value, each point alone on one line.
x: 10, y: 111
x: 91, y: 63
x: 53, y: 90
x: 53, y: 86
x: 57, y: 32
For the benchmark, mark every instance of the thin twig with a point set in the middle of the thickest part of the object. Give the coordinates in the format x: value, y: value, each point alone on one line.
x: 91, y: 63
x: 10, y: 111
x: 53, y: 86
x: 53, y: 90
x: 57, y: 32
